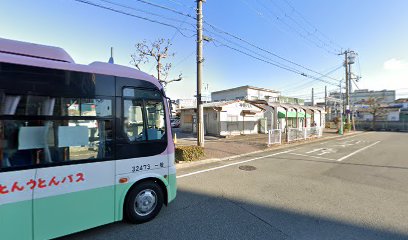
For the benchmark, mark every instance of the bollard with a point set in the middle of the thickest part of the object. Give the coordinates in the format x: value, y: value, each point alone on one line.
x: 175, y: 138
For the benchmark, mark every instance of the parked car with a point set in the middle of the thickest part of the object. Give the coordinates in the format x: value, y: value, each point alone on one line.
x: 175, y: 123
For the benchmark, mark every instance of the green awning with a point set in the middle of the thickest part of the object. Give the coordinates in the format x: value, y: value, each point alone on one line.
x: 293, y: 115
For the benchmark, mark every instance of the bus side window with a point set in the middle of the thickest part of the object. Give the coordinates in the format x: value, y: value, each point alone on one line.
x: 155, y: 120
x: 133, y: 121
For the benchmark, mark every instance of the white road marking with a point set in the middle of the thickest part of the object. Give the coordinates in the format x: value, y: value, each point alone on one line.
x: 327, y: 150
x: 315, y: 150
x: 361, y: 149
x: 353, y: 136
x: 304, y: 155
x: 232, y: 164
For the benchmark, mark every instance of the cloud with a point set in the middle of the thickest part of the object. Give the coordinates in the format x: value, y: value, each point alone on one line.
x: 395, y: 64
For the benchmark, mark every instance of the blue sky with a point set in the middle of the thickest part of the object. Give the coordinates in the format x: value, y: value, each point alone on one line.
x: 303, y: 32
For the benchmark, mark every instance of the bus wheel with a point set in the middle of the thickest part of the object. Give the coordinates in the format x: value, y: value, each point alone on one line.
x: 143, y: 202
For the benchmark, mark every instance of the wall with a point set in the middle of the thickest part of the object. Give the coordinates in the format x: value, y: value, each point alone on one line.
x: 186, y: 120
x: 240, y: 93
x: 393, y: 116
x: 232, y: 122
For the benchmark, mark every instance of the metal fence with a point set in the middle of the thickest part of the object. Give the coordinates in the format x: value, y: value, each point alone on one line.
x: 295, y: 134
x: 274, y: 136
x: 382, y: 125
x: 313, y: 132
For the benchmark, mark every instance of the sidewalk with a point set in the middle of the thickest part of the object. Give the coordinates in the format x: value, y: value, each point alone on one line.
x: 216, y: 148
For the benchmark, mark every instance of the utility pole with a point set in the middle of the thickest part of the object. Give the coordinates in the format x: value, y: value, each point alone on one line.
x: 325, y: 101
x: 347, y: 108
x: 312, y: 97
x: 341, y: 103
x: 200, y: 118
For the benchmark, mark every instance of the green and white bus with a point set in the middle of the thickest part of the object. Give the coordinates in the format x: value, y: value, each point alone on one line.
x: 80, y: 145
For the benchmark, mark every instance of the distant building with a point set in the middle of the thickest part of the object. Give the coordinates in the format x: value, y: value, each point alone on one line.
x: 384, y: 96
x: 245, y: 93
x: 252, y: 94
x: 186, y: 103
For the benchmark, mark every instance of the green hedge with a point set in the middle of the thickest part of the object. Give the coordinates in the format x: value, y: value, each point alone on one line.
x: 347, y: 127
x: 189, y: 153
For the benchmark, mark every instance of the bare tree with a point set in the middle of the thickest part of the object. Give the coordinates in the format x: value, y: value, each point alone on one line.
x: 375, y: 108
x: 158, y: 51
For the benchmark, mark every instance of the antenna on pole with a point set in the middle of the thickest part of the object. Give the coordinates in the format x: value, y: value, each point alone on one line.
x: 111, y: 57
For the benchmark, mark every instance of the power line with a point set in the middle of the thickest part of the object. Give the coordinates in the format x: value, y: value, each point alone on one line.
x: 306, y: 37
x: 212, y: 26
x: 146, y: 12
x: 166, y: 8
x: 303, y: 85
x: 274, y: 64
x: 182, y: 4
x: 139, y: 17
x: 264, y: 50
x: 219, y: 30
x: 250, y: 50
x: 311, y: 25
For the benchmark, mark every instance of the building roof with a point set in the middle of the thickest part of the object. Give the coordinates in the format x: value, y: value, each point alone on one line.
x: 224, y: 103
x: 214, y: 104
x: 247, y: 87
x: 263, y: 104
x: 401, y: 100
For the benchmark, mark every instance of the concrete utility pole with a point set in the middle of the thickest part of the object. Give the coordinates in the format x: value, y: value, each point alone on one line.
x: 341, y: 112
x: 325, y: 101
x: 200, y: 118
x: 313, y: 97
x: 347, y: 109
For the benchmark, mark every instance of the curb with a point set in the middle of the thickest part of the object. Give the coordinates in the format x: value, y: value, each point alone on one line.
x: 183, y: 165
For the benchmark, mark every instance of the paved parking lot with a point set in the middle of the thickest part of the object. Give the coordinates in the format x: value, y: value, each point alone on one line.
x: 350, y: 188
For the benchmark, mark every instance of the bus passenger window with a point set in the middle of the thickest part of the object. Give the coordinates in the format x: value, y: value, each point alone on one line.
x: 155, y: 120
x: 133, y: 121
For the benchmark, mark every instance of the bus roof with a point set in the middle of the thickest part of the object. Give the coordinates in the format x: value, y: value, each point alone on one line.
x: 37, y: 55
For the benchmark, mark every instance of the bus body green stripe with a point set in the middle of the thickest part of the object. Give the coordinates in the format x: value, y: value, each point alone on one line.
x: 69, y: 213
x: 172, y: 187
x: 16, y: 220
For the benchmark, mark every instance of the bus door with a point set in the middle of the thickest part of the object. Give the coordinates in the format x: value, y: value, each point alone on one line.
x: 77, y: 196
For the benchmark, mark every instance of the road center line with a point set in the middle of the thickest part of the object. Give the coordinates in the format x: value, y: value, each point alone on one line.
x: 304, y: 155
x: 232, y: 164
x: 361, y: 149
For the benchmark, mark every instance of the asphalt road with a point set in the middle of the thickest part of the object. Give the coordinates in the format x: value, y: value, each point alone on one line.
x: 349, y: 188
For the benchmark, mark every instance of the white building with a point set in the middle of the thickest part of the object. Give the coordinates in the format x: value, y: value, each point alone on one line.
x: 384, y: 96
x: 245, y: 93
x: 224, y: 118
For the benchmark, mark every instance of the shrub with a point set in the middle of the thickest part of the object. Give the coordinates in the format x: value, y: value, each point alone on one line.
x: 347, y: 126
x: 189, y: 153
